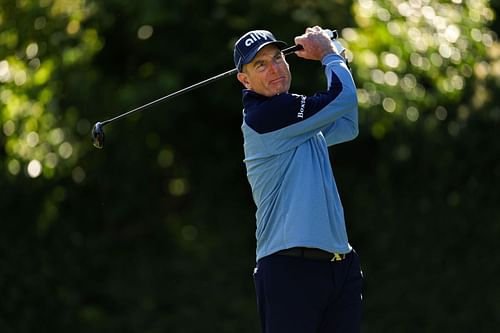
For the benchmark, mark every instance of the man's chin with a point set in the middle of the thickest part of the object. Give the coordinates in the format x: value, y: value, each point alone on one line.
x: 280, y: 89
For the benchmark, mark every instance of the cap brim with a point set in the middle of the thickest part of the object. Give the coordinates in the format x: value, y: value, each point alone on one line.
x: 248, y: 59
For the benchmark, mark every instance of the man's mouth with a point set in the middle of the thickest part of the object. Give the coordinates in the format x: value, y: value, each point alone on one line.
x: 278, y: 80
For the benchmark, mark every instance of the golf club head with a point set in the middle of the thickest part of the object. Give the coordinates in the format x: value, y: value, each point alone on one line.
x: 98, y: 136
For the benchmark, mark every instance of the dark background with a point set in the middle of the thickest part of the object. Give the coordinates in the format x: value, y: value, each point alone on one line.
x: 155, y: 233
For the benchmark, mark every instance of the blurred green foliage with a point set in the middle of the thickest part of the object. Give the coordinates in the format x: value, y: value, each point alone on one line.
x: 41, y: 41
x: 418, y: 60
x: 155, y: 233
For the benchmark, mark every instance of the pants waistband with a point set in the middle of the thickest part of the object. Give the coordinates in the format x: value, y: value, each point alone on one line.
x: 311, y: 253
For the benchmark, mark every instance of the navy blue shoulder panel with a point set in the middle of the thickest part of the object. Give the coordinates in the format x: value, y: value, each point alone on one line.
x: 268, y: 114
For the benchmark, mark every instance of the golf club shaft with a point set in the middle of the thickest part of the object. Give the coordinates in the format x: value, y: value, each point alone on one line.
x: 172, y: 95
x: 231, y: 72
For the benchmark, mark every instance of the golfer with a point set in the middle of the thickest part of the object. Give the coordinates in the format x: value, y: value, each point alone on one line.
x: 307, y: 277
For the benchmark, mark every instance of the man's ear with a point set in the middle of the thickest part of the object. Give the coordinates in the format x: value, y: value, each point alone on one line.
x: 243, y: 78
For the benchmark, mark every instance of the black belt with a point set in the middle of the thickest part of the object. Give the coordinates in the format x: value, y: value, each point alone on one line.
x: 310, y: 253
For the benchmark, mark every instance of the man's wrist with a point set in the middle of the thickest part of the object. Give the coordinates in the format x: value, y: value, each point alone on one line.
x: 323, y: 58
x: 328, y: 58
x: 327, y: 51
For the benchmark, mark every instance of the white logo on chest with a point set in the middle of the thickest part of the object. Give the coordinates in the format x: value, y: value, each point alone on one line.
x: 302, y: 107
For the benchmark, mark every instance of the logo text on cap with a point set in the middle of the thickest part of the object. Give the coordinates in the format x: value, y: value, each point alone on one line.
x: 255, y: 36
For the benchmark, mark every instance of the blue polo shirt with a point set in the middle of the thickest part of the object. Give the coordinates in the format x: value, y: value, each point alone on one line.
x: 286, y: 139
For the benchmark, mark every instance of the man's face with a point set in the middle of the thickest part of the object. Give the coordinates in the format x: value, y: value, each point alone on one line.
x: 268, y: 74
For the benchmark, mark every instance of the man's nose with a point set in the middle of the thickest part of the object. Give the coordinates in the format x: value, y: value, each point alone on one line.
x: 274, y: 66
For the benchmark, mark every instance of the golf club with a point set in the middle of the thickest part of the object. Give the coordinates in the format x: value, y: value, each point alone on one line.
x: 97, y: 133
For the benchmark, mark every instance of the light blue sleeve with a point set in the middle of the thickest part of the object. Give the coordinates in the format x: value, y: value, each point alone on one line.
x: 342, y: 109
x: 344, y: 128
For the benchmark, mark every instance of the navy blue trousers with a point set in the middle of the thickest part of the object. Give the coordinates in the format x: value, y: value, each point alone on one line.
x: 298, y: 295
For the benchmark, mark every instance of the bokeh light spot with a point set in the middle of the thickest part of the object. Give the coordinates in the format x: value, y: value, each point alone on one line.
x: 14, y: 167
x: 409, y: 82
x: 428, y: 12
x: 363, y: 96
x: 20, y: 78
x: 40, y: 23
x: 389, y: 104
x: 369, y: 58
x: 32, y: 50
x: 349, y: 34
x: 452, y: 33
x: 56, y: 136
x: 391, y: 60
x: 441, y: 113
x: 5, y: 74
x: 436, y: 60
x: 394, y: 28
x: 51, y: 160
x: 78, y: 175
x: 391, y: 78
x: 412, y: 113
x: 178, y: 187
x: 165, y: 158
x: 65, y: 150
x: 73, y: 27
x: 445, y: 51
x: 9, y: 128
x: 32, y: 139
x: 378, y: 76
x: 145, y: 32
x: 383, y: 14
x: 34, y: 168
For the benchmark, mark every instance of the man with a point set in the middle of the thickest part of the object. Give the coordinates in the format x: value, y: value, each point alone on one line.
x: 308, y: 277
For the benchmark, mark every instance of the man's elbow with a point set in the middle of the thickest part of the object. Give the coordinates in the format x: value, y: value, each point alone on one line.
x: 354, y: 131
x: 352, y: 104
x: 351, y: 97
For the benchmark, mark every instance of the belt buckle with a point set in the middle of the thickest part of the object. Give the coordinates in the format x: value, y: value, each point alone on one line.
x: 338, y: 257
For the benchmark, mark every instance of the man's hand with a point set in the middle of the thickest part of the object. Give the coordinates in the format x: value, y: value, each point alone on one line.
x: 316, y: 44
